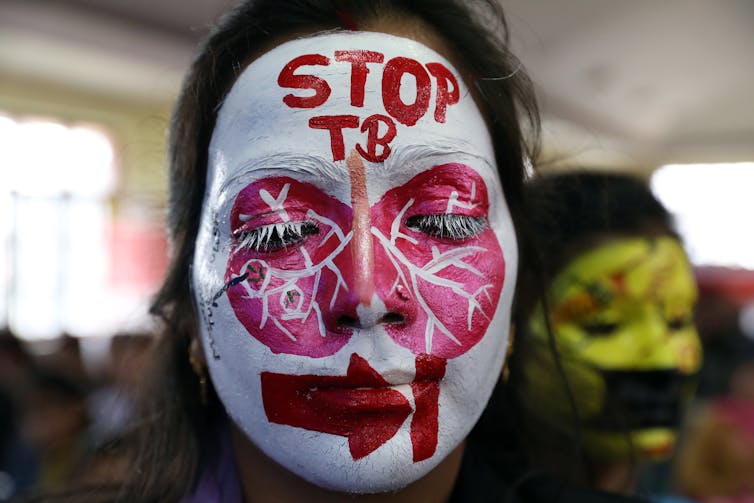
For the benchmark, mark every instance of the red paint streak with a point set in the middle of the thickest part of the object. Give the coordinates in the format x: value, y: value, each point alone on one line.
x: 392, y: 76
x: 372, y: 124
x: 426, y: 387
x: 362, y: 250
x: 447, y: 92
x: 618, y: 281
x: 288, y: 78
x: 445, y: 97
x: 394, y: 71
x: 335, y: 124
x: 359, y: 70
x: 658, y: 451
x: 359, y: 405
x: 348, y: 21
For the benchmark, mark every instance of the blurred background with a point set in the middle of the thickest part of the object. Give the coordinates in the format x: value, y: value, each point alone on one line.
x: 659, y: 89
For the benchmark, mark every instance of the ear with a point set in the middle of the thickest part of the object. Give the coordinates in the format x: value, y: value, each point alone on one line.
x: 199, y: 365
x: 505, y: 374
x: 196, y: 353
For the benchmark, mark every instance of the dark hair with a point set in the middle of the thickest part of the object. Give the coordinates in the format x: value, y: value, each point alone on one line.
x: 477, y: 34
x: 569, y: 213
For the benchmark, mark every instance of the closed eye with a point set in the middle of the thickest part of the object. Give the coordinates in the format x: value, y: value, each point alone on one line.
x: 447, y: 225
x: 274, y: 237
x: 680, y: 322
x: 600, y: 328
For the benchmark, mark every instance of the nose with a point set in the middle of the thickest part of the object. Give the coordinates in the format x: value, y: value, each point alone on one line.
x: 390, y: 308
x: 376, y: 313
x: 652, y: 338
x: 372, y: 297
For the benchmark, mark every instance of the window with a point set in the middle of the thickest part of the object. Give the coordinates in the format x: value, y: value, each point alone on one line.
x: 55, y: 187
x: 713, y: 206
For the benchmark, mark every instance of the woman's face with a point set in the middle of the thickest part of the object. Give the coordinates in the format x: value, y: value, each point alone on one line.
x: 622, y: 316
x: 356, y: 259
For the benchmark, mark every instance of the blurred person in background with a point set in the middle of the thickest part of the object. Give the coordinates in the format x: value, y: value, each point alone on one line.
x: 715, y: 462
x: 62, y: 356
x: 18, y: 459
x: 16, y: 364
x: 112, y: 407
x: 55, y: 422
x: 716, y: 459
x: 726, y: 346
x: 618, y: 313
x: 112, y: 404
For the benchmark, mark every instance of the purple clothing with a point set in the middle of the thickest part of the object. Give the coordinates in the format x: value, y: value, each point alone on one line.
x: 218, y: 479
x: 478, y: 482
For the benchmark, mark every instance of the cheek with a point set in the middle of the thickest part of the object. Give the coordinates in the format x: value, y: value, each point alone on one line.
x: 280, y: 297
x: 688, y: 350
x: 454, y: 286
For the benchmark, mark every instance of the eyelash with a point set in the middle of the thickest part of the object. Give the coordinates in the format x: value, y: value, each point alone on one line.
x: 274, y: 237
x: 680, y: 322
x: 448, y: 225
x: 601, y: 328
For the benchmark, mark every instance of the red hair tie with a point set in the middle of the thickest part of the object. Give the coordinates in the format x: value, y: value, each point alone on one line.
x: 348, y: 21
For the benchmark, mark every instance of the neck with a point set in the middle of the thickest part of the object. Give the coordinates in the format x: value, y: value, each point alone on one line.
x: 263, y: 480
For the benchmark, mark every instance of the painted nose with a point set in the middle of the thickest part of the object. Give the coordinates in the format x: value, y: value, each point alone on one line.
x: 362, y: 244
x: 652, y: 339
x: 387, y: 306
x: 361, y: 306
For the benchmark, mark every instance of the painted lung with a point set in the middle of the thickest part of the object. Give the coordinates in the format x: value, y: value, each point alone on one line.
x: 294, y: 298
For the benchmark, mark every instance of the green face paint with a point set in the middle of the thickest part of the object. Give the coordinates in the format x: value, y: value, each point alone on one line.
x: 621, y: 316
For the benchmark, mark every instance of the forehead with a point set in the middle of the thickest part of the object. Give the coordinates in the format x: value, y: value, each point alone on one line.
x: 631, y: 267
x: 316, y: 99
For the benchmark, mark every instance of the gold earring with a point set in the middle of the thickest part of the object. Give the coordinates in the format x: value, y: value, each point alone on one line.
x: 508, y: 352
x: 199, y: 370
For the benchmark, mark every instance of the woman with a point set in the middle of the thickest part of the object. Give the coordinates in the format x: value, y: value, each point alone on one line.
x: 618, y: 313
x: 311, y: 264
x: 346, y: 183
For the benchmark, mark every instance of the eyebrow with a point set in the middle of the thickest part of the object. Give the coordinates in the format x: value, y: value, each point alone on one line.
x: 286, y: 165
x: 401, y: 159
x: 410, y: 155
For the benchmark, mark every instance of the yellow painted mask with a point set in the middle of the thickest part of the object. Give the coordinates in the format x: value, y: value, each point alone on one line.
x: 621, y: 316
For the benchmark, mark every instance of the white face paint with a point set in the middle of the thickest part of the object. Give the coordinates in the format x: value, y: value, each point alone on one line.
x: 356, y: 259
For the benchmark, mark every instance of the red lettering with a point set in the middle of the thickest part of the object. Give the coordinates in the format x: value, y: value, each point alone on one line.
x: 444, y: 97
x: 407, y: 114
x: 426, y: 387
x: 288, y: 78
x: 372, y: 124
x: 358, y: 59
x: 335, y: 124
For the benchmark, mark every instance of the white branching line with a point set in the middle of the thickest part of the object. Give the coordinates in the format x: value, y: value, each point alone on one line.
x: 292, y: 277
x: 454, y: 258
x: 395, y: 228
x: 429, y: 273
x: 482, y: 289
x: 454, y: 203
x: 276, y: 204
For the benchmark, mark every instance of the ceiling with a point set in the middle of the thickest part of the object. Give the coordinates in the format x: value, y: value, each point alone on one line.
x: 636, y: 84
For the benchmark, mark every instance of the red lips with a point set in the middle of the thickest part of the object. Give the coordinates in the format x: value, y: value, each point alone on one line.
x: 360, y: 405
